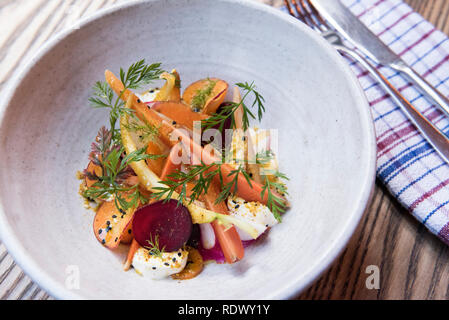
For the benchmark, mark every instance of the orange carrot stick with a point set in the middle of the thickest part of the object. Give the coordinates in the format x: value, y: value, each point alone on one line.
x: 229, y: 239
x: 179, y: 112
x: 170, y: 166
x: 129, y: 258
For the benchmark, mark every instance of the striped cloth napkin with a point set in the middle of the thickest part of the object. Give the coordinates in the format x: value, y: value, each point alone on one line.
x: 406, y: 164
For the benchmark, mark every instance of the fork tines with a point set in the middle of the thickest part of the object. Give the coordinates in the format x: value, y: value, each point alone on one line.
x: 306, y: 12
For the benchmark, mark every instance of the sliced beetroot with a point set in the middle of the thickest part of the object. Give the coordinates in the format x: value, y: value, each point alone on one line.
x: 168, y: 222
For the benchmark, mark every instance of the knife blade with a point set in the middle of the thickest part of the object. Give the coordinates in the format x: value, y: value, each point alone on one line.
x: 355, y: 31
x: 349, y: 26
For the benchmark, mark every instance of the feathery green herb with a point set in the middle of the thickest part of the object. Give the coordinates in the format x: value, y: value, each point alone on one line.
x: 231, y: 187
x: 145, y: 131
x: 115, y: 169
x: 276, y: 204
x: 228, y: 109
x: 137, y: 75
x: 201, y: 175
x: 153, y: 247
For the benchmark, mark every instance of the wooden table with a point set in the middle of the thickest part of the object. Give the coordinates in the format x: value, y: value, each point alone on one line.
x: 413, y: 263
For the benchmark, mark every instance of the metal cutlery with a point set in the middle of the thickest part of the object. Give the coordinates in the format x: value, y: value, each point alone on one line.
x: 307, y: 13
x: 348, y: 25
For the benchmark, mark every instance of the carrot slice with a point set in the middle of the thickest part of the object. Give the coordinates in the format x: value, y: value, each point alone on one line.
x: 229, y: 239
x: 92, y: 168
x: 179, y: 112
x: 129, y: 258
x: 212, y: 90
x: 154, y: 147
x: 109, y: 224
x: 127, y: 235
x: 170, y: 165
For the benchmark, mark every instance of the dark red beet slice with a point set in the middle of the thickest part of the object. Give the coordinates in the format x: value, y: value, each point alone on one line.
x: 169, y: 222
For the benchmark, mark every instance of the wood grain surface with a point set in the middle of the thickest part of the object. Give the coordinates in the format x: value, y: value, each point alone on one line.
x: 412, y: 263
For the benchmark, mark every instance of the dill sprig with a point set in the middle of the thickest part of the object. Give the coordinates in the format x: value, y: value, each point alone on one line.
x: 231, y: 187
x: 227, y: 110
x: 138, y: 74
x: 145, y: 131
x: 274, y: 203
x: 201, y: 174
x: 263, y: 157
x: 153, y: 247
x: 115, y: 169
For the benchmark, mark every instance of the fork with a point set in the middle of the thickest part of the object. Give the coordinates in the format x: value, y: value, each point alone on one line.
x: 308, y: 14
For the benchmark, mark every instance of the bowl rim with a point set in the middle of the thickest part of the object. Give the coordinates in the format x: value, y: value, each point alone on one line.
x: 298, y: 285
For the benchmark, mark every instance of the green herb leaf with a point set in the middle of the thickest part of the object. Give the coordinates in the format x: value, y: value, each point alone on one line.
x: 154, y: 248
x: 115, y: 170
x: 227, y: 111
x: 138, y: 74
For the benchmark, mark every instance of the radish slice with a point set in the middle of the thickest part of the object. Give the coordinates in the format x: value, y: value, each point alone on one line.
x: 207, y: 236
x: 168, y: 223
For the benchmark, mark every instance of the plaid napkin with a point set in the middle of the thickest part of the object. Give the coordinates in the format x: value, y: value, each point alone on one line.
x: 406, y: 164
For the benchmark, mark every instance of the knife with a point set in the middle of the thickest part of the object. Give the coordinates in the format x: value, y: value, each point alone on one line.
x: 342, y: 19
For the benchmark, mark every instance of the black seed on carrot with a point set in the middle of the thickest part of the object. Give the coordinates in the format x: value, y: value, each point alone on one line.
x: 129, y: 231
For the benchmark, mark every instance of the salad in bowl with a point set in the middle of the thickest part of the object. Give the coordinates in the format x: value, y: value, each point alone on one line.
x: 181, y: 178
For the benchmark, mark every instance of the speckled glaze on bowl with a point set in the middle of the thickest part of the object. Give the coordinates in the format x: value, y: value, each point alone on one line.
x: 326, y: 145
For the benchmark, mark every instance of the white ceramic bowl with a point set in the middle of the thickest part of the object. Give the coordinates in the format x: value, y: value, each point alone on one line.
x: 326, y: 143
